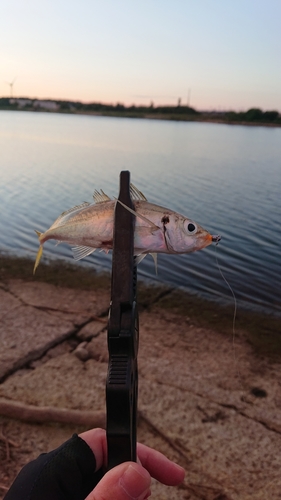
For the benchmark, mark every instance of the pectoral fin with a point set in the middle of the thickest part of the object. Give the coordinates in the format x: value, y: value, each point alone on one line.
x: 151, y: 224
x: 139, y: 258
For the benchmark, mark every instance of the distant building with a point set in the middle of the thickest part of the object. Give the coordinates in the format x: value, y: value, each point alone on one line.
x: 21, y: 102
x: 48, y: 105
x: 35, y: 104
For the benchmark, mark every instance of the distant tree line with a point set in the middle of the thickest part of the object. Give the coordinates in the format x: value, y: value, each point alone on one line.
x: 179, y: 112
x: 121, y: 108
x: 72, y: 106
x: 5, y: 103
x: 255, y: 115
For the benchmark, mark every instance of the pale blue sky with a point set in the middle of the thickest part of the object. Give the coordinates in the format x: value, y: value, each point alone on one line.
x: 227, y: 52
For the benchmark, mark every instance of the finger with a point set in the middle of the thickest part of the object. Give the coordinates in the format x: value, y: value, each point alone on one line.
x: 159, y: 466
x: 127, y: 481
x: 96, y: 439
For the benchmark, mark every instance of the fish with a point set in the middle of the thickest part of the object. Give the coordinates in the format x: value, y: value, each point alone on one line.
x: 157, y: 229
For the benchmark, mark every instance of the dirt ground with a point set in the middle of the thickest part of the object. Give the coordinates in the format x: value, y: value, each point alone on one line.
x: 208, y: 402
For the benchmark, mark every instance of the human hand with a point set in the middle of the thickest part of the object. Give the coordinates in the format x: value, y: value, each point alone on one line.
x: 130, y: 480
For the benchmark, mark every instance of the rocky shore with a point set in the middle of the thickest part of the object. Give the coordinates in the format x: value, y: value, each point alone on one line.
x: 209, y: 401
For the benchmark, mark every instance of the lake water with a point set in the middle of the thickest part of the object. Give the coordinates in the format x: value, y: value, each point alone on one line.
x: 226, y: 178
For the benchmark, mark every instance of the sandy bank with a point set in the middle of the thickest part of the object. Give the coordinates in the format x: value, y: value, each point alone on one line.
x: 214, y: 408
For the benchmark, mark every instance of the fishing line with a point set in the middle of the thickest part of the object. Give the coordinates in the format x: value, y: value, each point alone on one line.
x: 234, y: 298
x: 234, y: 317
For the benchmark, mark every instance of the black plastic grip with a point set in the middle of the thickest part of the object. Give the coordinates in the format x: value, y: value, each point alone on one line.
x: 122, y: 378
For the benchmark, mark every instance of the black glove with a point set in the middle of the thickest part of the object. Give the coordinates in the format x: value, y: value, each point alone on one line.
x: 67, y: 473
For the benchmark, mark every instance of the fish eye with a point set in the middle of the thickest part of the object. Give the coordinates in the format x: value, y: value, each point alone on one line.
x: 190, y: 227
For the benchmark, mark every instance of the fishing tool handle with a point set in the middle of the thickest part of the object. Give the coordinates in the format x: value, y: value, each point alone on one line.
x: 123, y: 326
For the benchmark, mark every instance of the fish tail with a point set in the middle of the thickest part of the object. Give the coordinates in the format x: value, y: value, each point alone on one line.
x: 39, y: 253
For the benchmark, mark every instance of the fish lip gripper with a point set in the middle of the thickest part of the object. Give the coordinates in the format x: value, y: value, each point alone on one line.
x: 122, y: 336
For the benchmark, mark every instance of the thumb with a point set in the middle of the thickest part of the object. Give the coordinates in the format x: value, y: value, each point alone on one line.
x: 127, y: 481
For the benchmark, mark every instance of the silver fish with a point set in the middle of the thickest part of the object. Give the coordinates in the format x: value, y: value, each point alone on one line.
x: 157, y: 229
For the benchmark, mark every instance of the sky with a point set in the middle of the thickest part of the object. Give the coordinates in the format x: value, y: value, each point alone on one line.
x: 211, y: 54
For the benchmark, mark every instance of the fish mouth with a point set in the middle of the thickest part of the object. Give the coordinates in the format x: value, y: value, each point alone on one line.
x: 216, y: 238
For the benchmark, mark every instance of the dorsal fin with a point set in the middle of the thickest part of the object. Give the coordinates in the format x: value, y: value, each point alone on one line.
x: 100, y: 196
x: 70, y: 211
x: 77, y: 207
x: 136, y: 194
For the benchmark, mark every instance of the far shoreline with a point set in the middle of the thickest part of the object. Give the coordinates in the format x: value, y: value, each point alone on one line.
x: 260, y: 330
x: 214, y: 121
x: 180, y: 113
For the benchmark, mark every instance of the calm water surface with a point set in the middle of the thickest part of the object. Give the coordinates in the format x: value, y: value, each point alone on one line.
x: 227, y: 178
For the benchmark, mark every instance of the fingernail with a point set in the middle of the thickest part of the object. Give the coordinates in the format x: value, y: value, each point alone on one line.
x: 136, y: 483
